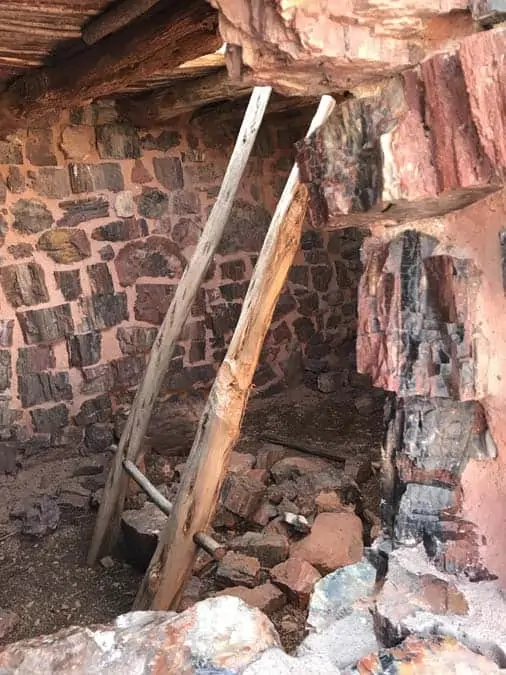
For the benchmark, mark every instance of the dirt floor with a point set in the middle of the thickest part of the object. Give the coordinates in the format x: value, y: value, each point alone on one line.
x: 46, y: 582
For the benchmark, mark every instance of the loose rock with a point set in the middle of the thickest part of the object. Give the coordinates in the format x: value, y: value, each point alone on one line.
x: 335, y: 541
x: 269, y: 549
x: 297, y: 578
x: 38, y: 516
x: 266, y: 597
x: 141, y: 529
x: 236, y: 569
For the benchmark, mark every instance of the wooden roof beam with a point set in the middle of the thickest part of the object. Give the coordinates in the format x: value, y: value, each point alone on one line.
x: 184, y: 96
x: 160, y: 39
x: 114, y: 19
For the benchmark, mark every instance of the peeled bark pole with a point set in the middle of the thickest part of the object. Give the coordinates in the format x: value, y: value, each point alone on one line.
x: 111, y: 506
x: 220, y: 424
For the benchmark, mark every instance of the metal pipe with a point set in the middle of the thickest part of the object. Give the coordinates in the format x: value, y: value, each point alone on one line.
x: 205, y: 541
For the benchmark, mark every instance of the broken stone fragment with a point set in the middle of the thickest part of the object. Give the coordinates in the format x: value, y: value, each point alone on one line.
x: 269, y: 549
x: 190, y: 593
x: 242, y: 495
x: 8, y: 622
x: 240, y: 462
x: 38, y: 515
x: 344, y: 640
x: 335, y: 594
x: 295, y: 521
x: 269, y: 454
x: 141, y: 529
x: 236, y: 569
x: 415, y: 656
x: 296, y: 578
x: 223, y: 633
x: 72, y: 494
x: 335, y: 541
x: 266, y: 597
x: 278, y: 662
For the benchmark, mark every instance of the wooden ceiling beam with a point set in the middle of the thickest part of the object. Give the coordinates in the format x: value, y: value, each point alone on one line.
x: 115, y: 18
x: 183, y: 96
x: 161, y: 39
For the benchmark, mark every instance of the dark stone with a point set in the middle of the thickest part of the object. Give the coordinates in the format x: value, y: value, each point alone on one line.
x: 299, y: 275
x: 321, y: 276
x: 24, y: 284
x: 94, y: 410
x: 202, y: 173
x: 121, y: 230
x: 169, y: 172
x: 199, y: 306
x: 153, y: 203
x: 316, y: 257
x: 106, y: 253
x: 104, y: 311
x: 282, y: 333
x: 152, y: 302
x: 155, y: 256
x: 97, y: 379
x: 53, y: 183
x: 164, y: 141
x: 39, y: 148
x: 64, y: 245
x: 35, y: 359
x: 186, y: 231
x: 128, y: 371
x: 36, y: 444
x: 311, y: 239
x: 286, y: 305
x: 184, y: 202
x: 232, y: 292
x: 263, y: 375
x: 136, y: 339
x: 223, y: 318
x: 84, y: 350
x: 186, y: 379
x: 98, y: 437
x: 36, y: 388
x: 197, y: 351
x: 69, y: 284
x: 100, y: 278
x: 16, y: 180
x: 46, y: 325
x: 70, y: 437
x: 246, y: 228
x: 304, y: 329
x: 6, y: 330
x: 3, y: 189
x: 31, y: 216
x: 194, y: 330
x: 82, y: 210
x: 94, y: 177
x: 8, y: 457
x: 234, y: 270
x: 49, y: 420
x: 11, y: 152
x: 117, y: 141
x: 308, y: 303
x: 38, y: 516
x: 5, y: 369
x: 20, y: 250
x: 140, y: 174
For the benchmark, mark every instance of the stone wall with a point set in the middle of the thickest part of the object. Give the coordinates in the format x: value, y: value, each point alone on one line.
x: 98, y: 222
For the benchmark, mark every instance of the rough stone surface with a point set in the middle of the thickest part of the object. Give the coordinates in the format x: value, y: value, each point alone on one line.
x: 141, y: 529
x: 220, y: 635
x: 104, y: 311
x: 46, y: 325
x: 444, y: 656
x: 8, y: 621
x: 50, y: 420
x: 336, y: 593
x: 153, y: 203
x: 266, y: 597
x: 153, y: 257
x: 65, y: 245
x: 84, y: 350
x: 24, y: 284
x: 242, y: 495
x: 82, y: 210
x: 36, y: 388
x: 37, y: 516
x: 236, y: 569
x: 121, y: 230
x: 269, y: 549
x: 335, y: 541
x: 31, y: 216
x: 117, y: 141
x: 69, y: 282
x: 297, y: 578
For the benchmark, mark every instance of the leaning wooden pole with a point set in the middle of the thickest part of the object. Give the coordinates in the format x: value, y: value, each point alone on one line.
x: 111, y: 506
x: 220, y: 423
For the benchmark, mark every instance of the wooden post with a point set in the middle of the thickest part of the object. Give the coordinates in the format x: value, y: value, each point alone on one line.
x: 220, y: 423
x: 111, y: 506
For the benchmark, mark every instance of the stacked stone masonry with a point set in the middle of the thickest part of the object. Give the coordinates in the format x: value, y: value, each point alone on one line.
x: 98, y: 221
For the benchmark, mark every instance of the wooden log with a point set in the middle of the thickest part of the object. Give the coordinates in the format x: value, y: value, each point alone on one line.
x: 427, y: 143
x: 111, y: 507
x: 160, y: 40
x: 183, y: 96
x: 220, y: 424
x: 115, y: 18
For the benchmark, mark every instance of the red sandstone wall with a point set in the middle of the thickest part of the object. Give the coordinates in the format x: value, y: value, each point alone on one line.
x: 98, y: 221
